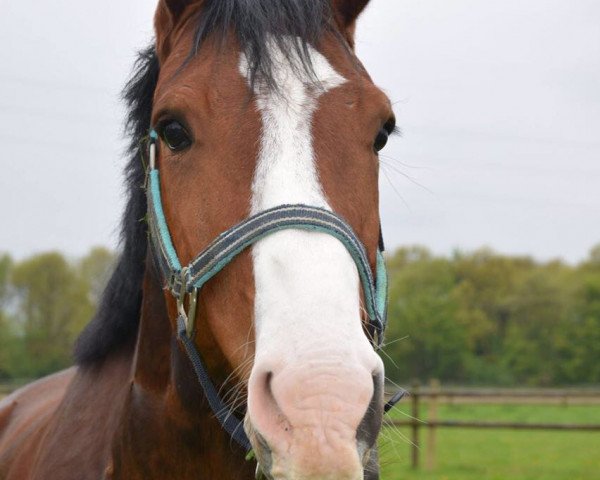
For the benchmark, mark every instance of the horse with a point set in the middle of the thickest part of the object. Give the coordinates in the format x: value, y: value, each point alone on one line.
x: 255, y: 133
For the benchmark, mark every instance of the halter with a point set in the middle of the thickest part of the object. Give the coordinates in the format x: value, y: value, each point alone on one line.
x: 184, y: 282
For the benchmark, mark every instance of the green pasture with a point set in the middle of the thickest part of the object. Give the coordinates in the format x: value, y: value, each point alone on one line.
x: 469, y: 454
x: 493, y: 454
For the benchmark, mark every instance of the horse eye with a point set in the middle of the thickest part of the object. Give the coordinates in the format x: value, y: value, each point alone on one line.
x: 381, y: 139
x: 175, y: 136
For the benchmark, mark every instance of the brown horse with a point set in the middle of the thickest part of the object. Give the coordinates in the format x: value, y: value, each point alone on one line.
x: 252, y: 105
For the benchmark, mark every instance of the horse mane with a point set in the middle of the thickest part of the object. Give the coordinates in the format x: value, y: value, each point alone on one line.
x: 116, y: 320
x: 292, y: 25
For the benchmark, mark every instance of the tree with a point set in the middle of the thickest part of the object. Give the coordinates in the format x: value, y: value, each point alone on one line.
x: 7, y: 337
x: 425, y: 340
x: 53, y: 306
x: 594, y: 257
x: 585, y: 337
x: 474, y: 317
x: 95, y: 269
x: 486, y: 318
x: 485, y: 286
x: 541, y: 326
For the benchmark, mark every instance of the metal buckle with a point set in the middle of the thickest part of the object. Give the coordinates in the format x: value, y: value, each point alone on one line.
x: 152, y: 150
x: 152, y: 155
x: 189, y: 317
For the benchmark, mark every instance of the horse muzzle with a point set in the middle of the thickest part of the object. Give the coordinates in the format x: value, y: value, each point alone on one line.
x: 318, y: 423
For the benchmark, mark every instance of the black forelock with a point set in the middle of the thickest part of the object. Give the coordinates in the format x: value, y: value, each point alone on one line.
x: 292, y: 25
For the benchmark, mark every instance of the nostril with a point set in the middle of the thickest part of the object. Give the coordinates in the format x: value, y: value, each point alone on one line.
x: 369, y: 427
x: 263, y: 393
x: 267, y: 386
x: 264, y: 409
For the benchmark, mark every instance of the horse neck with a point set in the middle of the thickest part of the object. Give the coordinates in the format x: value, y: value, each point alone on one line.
x: 168, y: 429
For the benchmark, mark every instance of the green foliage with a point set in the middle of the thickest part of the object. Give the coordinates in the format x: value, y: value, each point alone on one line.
x: 478, y: 317
x: 95, y: 269
x: 45, y: 301
x: 491, y: 319
x: 53, y: 306
x: 7, y: 338
x: 594, y: 259
x: 431, y: 341
x: 585, y: 342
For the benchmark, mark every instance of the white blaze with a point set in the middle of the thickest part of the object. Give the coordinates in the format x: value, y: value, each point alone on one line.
x: 312, y: 378
x: 307, y: 289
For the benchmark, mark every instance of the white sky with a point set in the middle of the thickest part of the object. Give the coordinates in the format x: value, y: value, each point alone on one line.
x: 499, y: 103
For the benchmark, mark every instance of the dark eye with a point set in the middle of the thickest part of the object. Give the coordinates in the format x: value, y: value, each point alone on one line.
x: 381, y: 139
x: 175, y: 135
x: 384, y: 133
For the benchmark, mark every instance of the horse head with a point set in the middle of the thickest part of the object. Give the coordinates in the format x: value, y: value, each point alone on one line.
x: 248, y: 303
x: 259, y: 106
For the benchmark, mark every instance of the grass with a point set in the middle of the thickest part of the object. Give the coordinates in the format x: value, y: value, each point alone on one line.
x: 469, y: 454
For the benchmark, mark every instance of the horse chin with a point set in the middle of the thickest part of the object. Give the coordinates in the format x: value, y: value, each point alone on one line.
x: 285, y: 465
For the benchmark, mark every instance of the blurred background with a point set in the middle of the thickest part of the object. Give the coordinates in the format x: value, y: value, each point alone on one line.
x: 490, y: 205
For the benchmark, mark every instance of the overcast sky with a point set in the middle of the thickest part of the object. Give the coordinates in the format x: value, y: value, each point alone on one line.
x: 499, y: 104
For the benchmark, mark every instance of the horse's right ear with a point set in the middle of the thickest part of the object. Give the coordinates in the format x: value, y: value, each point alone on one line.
x: 168, y: 15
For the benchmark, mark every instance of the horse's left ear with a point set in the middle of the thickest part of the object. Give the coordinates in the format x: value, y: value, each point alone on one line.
x: 346, y: 12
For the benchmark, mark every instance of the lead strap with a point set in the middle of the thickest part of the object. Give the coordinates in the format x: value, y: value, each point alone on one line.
x: 225, y: 416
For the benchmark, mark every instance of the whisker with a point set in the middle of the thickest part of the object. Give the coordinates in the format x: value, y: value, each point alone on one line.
x: 405, y: 175
x: 387, y: 344
x: 389, y: 380
x: 394, y: 187
x: 401, y: 436
x: 424, y: 422
x: 393, y: 440
x: 389, y: 358
x: 404, y: 164
x: 244, y: 365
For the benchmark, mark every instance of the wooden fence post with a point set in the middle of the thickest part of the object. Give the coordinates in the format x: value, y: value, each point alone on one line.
x: 415, y: 424
x: 432, y: 416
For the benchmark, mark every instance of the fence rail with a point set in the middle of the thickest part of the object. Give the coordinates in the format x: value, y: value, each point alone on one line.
x: 434, y: 393
x: 494, y: 424
x: 508, y: 392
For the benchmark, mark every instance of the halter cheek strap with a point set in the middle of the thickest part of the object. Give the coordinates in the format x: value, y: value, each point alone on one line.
x: 186, y: 281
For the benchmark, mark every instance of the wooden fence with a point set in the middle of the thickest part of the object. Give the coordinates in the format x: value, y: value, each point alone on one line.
x: 436, y: 395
